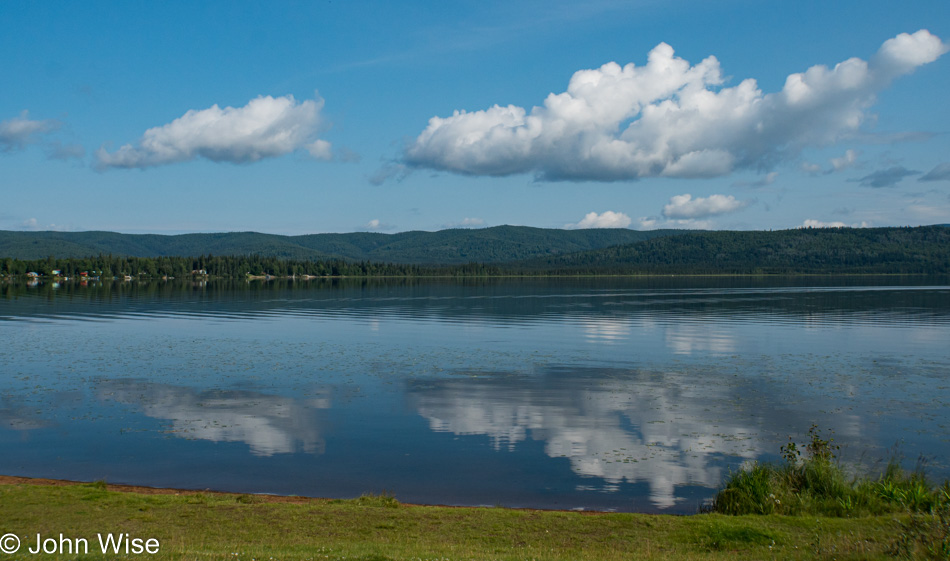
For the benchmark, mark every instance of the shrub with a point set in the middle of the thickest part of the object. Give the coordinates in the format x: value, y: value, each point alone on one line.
x: 816, y: 483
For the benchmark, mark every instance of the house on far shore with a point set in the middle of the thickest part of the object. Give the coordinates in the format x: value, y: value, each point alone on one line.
x: 33, y: 275
x: 56, y: 272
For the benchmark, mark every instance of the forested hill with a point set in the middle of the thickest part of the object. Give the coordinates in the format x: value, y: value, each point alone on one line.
x: 486, y: 245
x: 921, y: 250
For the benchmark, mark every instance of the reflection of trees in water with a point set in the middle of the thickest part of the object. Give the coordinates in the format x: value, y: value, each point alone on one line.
x: 667, y: 429
x: 268, y: 424
x: 836, y: 300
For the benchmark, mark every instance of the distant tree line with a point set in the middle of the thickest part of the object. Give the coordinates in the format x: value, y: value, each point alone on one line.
x: 108, y: 266
x: 921, y: 250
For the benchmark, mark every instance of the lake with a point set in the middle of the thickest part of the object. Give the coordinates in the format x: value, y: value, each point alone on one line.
x: 603, y: 394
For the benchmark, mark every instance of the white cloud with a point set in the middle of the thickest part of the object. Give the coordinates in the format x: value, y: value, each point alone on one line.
x: 607, y: 219
x: 844, y: 162
x: 375, y: 225
x: 812, y: 223
x: 266, y: 127
x: 19, y: 131
x: 667, y: 118
x: 685, y: 206
x: 848, y: 160
x: 320, y: 150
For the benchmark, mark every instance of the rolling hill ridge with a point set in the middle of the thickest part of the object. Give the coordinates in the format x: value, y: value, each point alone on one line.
x: 498, y: 244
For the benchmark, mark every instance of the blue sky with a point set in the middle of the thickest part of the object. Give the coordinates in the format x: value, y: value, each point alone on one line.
x: 307, y: 117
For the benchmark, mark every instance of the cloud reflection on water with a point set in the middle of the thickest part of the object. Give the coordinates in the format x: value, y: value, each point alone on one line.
x: 268, y: 424
x: 689, y: 338
x: 606, y: 330
x: 664, y: 429
x: 21, y: 419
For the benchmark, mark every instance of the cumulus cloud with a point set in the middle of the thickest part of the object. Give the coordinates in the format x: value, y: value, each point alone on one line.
x: 686, y: 207
x: 848, y: 160
x: 844, y: 162
x: 607, y: 219
x: 940, y: 173
x: 266, y: 127
x: 811, y: 223
x: 17, y: 132
x: 320, y: 150
x: 885, y: 177
x: 667, y: 118
x: 375, y: 225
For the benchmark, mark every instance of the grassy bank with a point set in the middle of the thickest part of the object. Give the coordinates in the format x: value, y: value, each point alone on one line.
x: 228, y: 526
x: 810, y: 481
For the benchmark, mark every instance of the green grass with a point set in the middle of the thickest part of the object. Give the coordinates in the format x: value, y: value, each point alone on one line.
x: 804, y: 508
x: 215, y: 526
x: 816, y: 484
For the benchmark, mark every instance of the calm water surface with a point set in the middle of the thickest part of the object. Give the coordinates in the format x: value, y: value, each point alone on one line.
x: 631, y: 395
